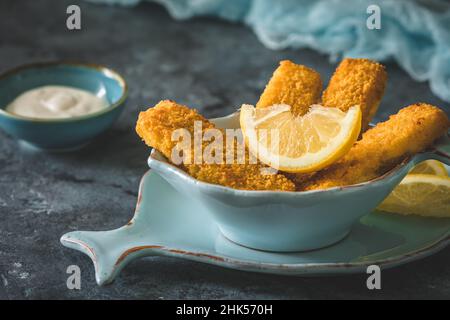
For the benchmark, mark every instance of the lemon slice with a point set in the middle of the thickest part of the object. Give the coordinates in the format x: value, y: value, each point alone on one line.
x: 421, y: 194
x: 430, y: 167
x: 299, y: 143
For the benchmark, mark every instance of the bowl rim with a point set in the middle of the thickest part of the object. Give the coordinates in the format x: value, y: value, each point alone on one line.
x: 409, y: 161
x: 173, y: 169
x: 167, y: 166
x: 109, y: 72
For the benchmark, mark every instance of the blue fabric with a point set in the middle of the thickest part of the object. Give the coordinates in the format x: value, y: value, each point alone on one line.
x: 414, y: 33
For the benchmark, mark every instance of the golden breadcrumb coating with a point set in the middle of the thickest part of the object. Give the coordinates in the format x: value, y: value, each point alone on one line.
x: 356, y: 82
x: 294, y: 85
x: 156, y: 125
x: 413, y: 129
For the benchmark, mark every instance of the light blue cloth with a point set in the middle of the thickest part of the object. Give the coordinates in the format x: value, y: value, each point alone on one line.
x: 414, y: 33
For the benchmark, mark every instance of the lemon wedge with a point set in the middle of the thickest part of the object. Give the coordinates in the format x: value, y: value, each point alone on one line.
x: 430, y: 167
x: 300, y: 144
x: 421, y: 194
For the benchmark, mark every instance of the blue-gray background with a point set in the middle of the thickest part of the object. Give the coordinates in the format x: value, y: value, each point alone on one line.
x: 211, y: 65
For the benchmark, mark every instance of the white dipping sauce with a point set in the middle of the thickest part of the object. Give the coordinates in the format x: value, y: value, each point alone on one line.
x: 50, y: 102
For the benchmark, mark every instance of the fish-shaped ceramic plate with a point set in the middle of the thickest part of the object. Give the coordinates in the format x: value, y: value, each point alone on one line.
x: 168, y: 223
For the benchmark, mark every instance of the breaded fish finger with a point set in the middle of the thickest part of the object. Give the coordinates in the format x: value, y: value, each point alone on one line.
x: 356, y: 82
x: 294, y: 85
x: 413, y: 129
x: 156, y: 126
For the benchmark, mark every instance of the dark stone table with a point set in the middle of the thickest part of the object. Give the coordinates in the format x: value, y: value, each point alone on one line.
x: 208, y: 64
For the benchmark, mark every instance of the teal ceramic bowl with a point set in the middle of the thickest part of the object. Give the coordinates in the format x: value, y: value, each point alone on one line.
x: 61, y: 134
x: 288, y: 221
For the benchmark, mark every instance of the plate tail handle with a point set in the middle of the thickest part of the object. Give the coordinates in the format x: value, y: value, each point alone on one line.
x: 109, y: 251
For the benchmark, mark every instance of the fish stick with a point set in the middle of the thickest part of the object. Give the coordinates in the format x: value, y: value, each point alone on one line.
x: 356, y: 82
x: 413, y: 129
x: 294, y: 85
x: 156, y: 126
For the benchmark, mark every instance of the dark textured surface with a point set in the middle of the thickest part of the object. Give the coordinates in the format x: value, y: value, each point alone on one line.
x: 210, y: 65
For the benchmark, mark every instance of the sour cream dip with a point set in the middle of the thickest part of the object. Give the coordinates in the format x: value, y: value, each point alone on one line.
x: 56, y: 102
